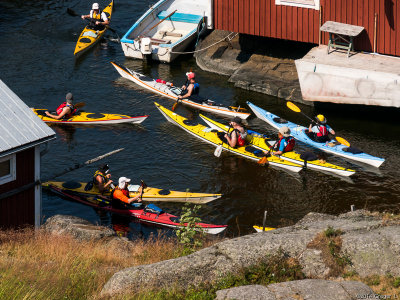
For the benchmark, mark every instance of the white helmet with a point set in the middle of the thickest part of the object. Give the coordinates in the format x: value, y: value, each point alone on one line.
x: 95, y: 6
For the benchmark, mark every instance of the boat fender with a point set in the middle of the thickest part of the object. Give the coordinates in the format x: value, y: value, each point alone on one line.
x: 164, y: 192
x: 190, y: 122
x: 88, y: 186
x: 279, y: 120
x: 353, y: 150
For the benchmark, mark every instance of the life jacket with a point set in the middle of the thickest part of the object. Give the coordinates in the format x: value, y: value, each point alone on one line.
x: 289, y: 144
x: 124, y: 191
x: 241, y: 138
x: 99, y: 173
x: 196, y: 88
x: 95, y: 16
x: 322, y: 131
x: 60, y: 109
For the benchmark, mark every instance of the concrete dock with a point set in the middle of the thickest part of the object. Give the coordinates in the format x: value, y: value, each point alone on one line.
x: 363, y: 78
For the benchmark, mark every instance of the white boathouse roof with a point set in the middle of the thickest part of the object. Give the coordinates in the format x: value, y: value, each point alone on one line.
x: 20, y: 128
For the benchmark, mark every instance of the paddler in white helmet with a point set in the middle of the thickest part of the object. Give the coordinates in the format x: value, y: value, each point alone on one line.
x: 319, y: 130
x: 120, y: 195
x: 98, y: 18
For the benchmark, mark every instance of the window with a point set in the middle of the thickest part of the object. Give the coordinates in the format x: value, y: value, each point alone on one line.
x: 314, y: 4
x: 7, y: 169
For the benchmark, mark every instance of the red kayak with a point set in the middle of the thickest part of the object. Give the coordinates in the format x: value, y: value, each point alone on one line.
x: 142, y: 213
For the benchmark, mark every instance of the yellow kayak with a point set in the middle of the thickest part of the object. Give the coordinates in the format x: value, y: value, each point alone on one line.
x: 90, y: 118
x: 210, y: 136
x: 149, y: 194
x: 89, y: 37
x: 260, y: 228
x: 259, y: 141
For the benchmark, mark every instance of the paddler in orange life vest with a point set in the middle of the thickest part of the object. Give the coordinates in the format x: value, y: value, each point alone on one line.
x: 319, y: 130
x: 98, y: 18
x: 237, y: 137
x: 285, y: 142
x: 102, y: 178
x: 66, y: 110
x: 120, y: 195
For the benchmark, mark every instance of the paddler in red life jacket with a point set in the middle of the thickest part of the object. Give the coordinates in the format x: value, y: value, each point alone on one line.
x: 120, y: 195
x: 237, y: 137
x: 66, y: 110
x: 285, y: 142
x: 102, y: 178
x: 191, y: 88
x: 319, y: 130
x: 98, y: 18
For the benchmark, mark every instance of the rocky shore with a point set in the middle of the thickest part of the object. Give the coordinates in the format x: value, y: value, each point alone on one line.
x: 326, y: 248
x: 253, y: 63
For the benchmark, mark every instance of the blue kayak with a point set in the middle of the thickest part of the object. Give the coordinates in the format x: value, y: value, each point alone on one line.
x: 299, y: 133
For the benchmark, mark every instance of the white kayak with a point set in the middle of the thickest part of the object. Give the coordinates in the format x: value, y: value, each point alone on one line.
x: 173, y: 93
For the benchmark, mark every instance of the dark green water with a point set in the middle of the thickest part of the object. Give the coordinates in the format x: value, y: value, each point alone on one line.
x: 37, y: 40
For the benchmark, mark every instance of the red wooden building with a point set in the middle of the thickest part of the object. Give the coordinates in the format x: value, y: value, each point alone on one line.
x: 300, y: 20
x: 22, y: 133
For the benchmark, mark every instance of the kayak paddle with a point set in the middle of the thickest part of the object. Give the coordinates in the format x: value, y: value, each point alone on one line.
x: 264, y: 160
x: 79, y: 105
x: 72, y: 13
x: 295, y: 108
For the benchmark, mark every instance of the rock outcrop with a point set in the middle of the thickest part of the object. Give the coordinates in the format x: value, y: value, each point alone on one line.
x: 249, y: 66
x: 76, y: 227
x: 371, y: 245
x: 310, y: 289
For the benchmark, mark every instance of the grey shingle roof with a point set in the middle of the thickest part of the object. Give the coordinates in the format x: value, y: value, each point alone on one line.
x: 19, y: 126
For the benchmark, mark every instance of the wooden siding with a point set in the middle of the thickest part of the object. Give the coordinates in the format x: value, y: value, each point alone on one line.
x: 19, y: 209
x: 264, y: 18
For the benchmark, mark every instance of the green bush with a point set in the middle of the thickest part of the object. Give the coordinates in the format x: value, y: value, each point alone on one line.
x: 191, y: 235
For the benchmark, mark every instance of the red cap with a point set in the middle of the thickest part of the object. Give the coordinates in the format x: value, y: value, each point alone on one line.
x: 190, y: 75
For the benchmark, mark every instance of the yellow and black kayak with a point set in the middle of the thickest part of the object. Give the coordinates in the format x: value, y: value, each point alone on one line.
x: 86, y: 118
x: 149, y: 194
x: 211, y: 136
x: 260, y: 228
x: 259, y: 141
x: 89, y: 36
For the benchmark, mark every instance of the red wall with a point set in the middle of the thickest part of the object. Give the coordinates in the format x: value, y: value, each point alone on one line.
x: 264, y: 18
x: 19, y: 209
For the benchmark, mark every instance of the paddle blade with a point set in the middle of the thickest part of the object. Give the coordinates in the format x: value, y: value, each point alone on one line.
x: 343, y: 141
x: 293, y: 106
x: 79, y: 105
x: 174, y: 106
x: 71, y: 12
x: 218, y: 151
x: 263, y: 161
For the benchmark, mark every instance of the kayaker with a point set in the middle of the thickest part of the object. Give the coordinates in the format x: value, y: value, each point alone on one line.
x: 237, y: 137
x: 319, y: 130
x: 98, y: 18
x: 191, y: 88
x: 120, y: 195
x: 65, y: 110
x: 102, y: 178
x: 285, y: 142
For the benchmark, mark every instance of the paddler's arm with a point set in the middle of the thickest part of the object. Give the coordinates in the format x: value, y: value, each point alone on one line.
x: 137, y: 197
x: 189, y: 92
x: 85, y: 17
x: 65, y: 111
x: 105, y: 22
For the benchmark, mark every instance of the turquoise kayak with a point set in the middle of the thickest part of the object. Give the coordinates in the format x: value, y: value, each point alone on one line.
x: 299, y: 133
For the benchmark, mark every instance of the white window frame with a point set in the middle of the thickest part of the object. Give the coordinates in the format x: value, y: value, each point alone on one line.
x: 13, y: 170
x: 298, y: 3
